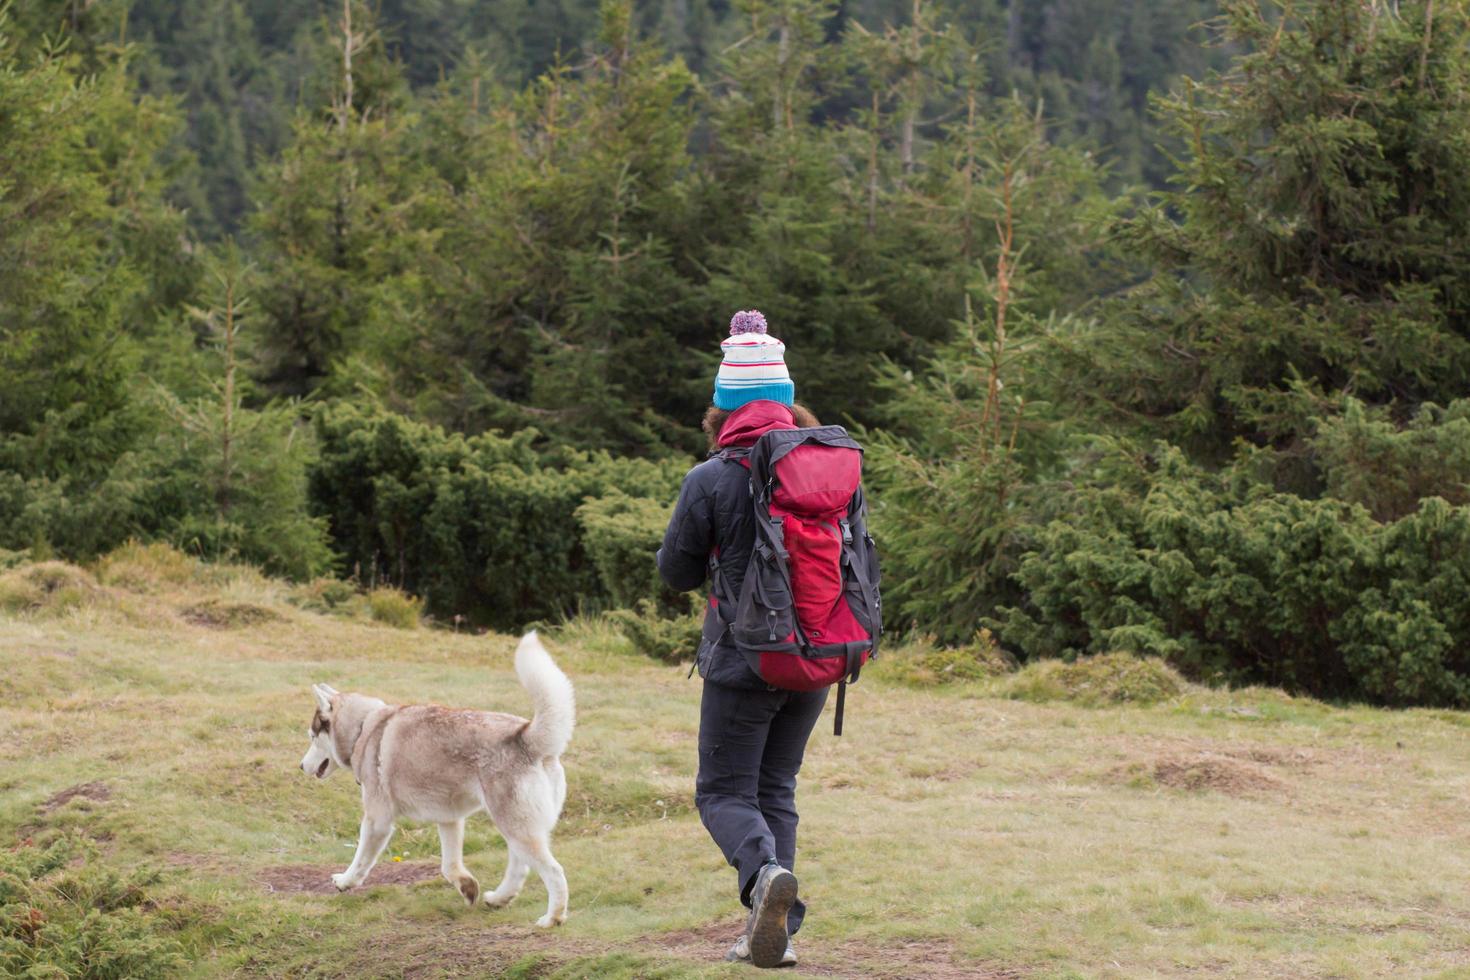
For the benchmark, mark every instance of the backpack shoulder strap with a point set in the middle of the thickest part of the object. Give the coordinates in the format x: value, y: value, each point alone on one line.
x: 739, y: 455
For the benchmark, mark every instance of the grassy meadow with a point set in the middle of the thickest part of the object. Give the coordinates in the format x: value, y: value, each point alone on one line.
x: 152, y: 712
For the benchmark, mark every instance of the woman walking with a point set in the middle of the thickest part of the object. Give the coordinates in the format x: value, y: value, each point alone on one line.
x: 751, y: 735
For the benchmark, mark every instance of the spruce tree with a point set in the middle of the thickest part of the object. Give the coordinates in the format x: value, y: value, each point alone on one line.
x: 341, y: 225
x: 66, y: 284
x: 1314, y: 245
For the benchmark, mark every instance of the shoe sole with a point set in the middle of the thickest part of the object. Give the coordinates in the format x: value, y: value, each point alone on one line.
x: 768, y: 936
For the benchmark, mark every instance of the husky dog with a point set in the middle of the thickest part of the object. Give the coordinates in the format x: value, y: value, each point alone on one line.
x: 426, y: 762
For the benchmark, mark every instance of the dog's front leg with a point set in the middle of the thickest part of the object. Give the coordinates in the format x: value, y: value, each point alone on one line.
x: 451, y: 860
x: 372, y: 837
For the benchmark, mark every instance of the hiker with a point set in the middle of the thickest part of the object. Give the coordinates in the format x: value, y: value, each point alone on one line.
x: 753, y: 729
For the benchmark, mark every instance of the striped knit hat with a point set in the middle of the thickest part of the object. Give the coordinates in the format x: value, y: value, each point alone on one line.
x: 754, y: 368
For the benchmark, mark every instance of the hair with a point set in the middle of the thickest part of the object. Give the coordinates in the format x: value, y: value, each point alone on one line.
x: 715, y: 418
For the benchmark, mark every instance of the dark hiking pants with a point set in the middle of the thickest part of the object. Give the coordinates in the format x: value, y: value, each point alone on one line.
x: 750, y: 748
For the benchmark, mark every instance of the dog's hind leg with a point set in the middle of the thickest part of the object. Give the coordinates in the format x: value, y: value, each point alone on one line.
x: 558, y: 777
x: 372, y: 837
x: 451, y: 860
x: 537, y: 851
x: 516, y: 869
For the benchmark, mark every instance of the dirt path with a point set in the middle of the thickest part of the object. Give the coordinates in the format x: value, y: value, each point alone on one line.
x: 466, y: 948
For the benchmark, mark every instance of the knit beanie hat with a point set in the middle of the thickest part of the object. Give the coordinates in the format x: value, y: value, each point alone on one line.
x: 754, y: 367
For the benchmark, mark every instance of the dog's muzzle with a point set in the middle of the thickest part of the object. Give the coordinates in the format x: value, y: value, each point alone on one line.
x: 321, y: 770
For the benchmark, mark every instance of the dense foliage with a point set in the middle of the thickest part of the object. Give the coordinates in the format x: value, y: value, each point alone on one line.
x: 1230, y: 580
x: 1299, y: 342
x: 485, y: 526
x: 485, y: 253
x: 241, y: 69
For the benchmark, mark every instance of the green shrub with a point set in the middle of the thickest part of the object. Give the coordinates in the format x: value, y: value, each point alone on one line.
x: 140, y: 567
x: 325, y: 595
x: 1240, y: 583
x: 395, y: 608
x: 1096, y: 682
x: 168, y: 488
x: 77, y: 520
x: 246, y: 505
x: 622, y: 535
x: 61, y: 916
x: 482, y: 525
x: 665, y: 637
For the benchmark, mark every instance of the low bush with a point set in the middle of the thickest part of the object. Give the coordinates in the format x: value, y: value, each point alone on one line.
x: 656, y: 634
x: 325, y: 595
x: 484, y: 526
x: 395, y: 608
x: 171, y: 487
x: 622, y: 535
x: 62, y: 916
x: 1235, y: 582
x: 48, y: 587
x: 921, y: 662
x: 139, y: 567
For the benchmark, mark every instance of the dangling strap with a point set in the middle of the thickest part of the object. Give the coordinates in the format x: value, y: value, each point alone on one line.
x: 841, y: 698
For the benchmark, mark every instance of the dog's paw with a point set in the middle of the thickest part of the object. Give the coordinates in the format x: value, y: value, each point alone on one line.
x: 548, y: 920
x: 469, y: 888
x: 343, y: 882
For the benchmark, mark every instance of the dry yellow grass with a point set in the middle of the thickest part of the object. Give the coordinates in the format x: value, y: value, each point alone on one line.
x: 948, y: 833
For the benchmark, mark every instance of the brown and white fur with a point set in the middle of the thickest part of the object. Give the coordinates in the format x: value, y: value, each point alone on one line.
x: 426, y: 762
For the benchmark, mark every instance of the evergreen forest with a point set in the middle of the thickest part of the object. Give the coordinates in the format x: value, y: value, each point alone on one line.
x: 1150, y: 314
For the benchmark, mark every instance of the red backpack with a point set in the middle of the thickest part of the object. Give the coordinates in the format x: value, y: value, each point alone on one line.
x: 809, y: 613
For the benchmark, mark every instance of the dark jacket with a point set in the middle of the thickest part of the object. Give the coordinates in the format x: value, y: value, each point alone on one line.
x: 715, y: 517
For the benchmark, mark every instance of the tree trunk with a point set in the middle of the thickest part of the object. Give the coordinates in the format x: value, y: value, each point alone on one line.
x: 780, y: 109
x: 227, y: 420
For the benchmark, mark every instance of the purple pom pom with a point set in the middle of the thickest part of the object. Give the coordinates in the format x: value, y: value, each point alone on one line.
x: 747, y: 321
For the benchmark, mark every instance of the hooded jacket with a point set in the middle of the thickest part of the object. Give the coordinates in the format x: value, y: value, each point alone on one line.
x: 715, y: 517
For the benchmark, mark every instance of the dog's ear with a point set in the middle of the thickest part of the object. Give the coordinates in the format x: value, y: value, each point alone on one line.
x: 324, y: 694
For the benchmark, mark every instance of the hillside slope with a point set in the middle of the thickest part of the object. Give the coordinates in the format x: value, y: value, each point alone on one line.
x: 158, y: 711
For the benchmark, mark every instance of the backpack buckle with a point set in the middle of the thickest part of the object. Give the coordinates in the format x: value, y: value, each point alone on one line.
x: 846, y: 532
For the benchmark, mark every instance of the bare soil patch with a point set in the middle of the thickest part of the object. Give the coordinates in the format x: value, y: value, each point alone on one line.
x: 217, y: 614
x: 702, y: 939
x: 1214, y: 765
x: 316, y: 879
x: 472, y: 948
x: 1214, y: 771
x: 97, y: 792
x: 922, y: 959
x: 899, y: 959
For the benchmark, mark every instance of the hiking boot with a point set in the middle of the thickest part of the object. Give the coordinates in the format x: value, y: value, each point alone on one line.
x: 740, y: 953
x: 771, y: 899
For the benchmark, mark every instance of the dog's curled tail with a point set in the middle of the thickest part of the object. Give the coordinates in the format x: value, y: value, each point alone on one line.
x: 556, y: 707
